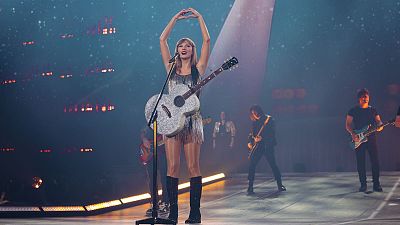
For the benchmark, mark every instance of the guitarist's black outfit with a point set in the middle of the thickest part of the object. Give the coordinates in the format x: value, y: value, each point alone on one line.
x: 264, y: 148
x: 361, y: 118
x: 162, y: 170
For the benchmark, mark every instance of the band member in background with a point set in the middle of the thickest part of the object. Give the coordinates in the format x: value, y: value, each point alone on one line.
x: 224, y: 133
x: 357, y: 118
x: 266, y: 142
x: 146, y: 157
x: 397, y: 123
x: 223, y: 140
x: 187, y: 71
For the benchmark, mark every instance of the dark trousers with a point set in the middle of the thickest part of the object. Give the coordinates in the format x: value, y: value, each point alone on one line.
x: 371, y: 148
x: 224, y: 155
x: 269, y: 153
x: 162, y: 174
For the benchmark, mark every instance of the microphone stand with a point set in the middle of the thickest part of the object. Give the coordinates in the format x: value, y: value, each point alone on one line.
x: 153, y: 120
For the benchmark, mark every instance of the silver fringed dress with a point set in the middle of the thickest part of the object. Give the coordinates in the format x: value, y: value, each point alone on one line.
x: 193, y: 128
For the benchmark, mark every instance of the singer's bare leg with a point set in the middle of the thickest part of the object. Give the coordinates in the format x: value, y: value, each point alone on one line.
x: 173, y: 151
x: 192, y: 154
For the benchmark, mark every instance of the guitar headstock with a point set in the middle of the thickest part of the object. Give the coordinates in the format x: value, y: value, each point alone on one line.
x: 230, y: 63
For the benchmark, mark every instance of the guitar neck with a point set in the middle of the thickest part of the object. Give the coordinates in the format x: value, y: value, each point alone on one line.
x: 197, y: 87
x: 376, y: 128
x: 263, y: 126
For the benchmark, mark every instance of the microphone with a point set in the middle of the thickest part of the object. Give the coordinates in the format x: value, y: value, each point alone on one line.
x: 173, y: 58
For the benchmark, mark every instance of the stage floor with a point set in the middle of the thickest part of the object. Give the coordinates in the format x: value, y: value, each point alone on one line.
x: 311, y: 198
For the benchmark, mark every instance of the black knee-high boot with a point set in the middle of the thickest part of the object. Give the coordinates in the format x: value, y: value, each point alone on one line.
x: 195, y: 196
x: 172, y: 188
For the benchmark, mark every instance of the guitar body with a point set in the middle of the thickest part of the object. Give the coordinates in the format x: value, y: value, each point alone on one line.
x: 145, y: 154
x: 252, y: 147
x: 172, y: 110
x: 361, y: 136
x: 181, y: 102
x: 365, y: 132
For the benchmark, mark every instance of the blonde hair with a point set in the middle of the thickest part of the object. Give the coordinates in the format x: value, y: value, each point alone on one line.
x: 193, y: 59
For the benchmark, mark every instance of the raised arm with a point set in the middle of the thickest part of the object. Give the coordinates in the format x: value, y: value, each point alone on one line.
x: 165, y: 53
x: 205, y: 47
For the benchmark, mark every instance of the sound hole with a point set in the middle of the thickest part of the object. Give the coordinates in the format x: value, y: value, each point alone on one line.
x: 179, y: 101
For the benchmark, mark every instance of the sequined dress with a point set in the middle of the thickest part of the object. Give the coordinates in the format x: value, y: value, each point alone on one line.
x: 193, y: 128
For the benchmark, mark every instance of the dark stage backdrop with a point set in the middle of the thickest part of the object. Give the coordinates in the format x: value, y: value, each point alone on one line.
x: 75, y: 76
x: 320, y: 53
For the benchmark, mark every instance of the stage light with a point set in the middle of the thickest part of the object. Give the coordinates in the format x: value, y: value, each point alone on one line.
x: 212, y: 178
x: 37, y: 182
x: 62, y: 208
x: 103, y: 205
x: 204, y: 180
x: 180, y: 187
x: 19, y: 209
x: 109, y: 204
x: 135, y: 198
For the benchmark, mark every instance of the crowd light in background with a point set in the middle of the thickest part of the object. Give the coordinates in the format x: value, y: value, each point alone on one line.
x: 89, y: 108
x: 67, y: 36
x: 26, y: 43
x: 96, y: 70
x: 11, y: 81
x: 37, y: 182
x: 45, y: 150
x: 107, y: 69
x: 7, y: 149
x: 86, y: 150
x: 68, y: 150
x: 63, y: 76
x: 47, y: 74
x: 109, y: 31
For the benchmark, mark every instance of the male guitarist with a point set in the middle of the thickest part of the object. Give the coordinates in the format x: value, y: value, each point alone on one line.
x: 264, y: 143
x: 361, y: 116
x: 146, y: 157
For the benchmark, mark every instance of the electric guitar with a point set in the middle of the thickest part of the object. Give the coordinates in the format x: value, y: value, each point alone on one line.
x: 252, y: 145
x: 363, y: 134
x: 181, y: 102
x: 146, y: 153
